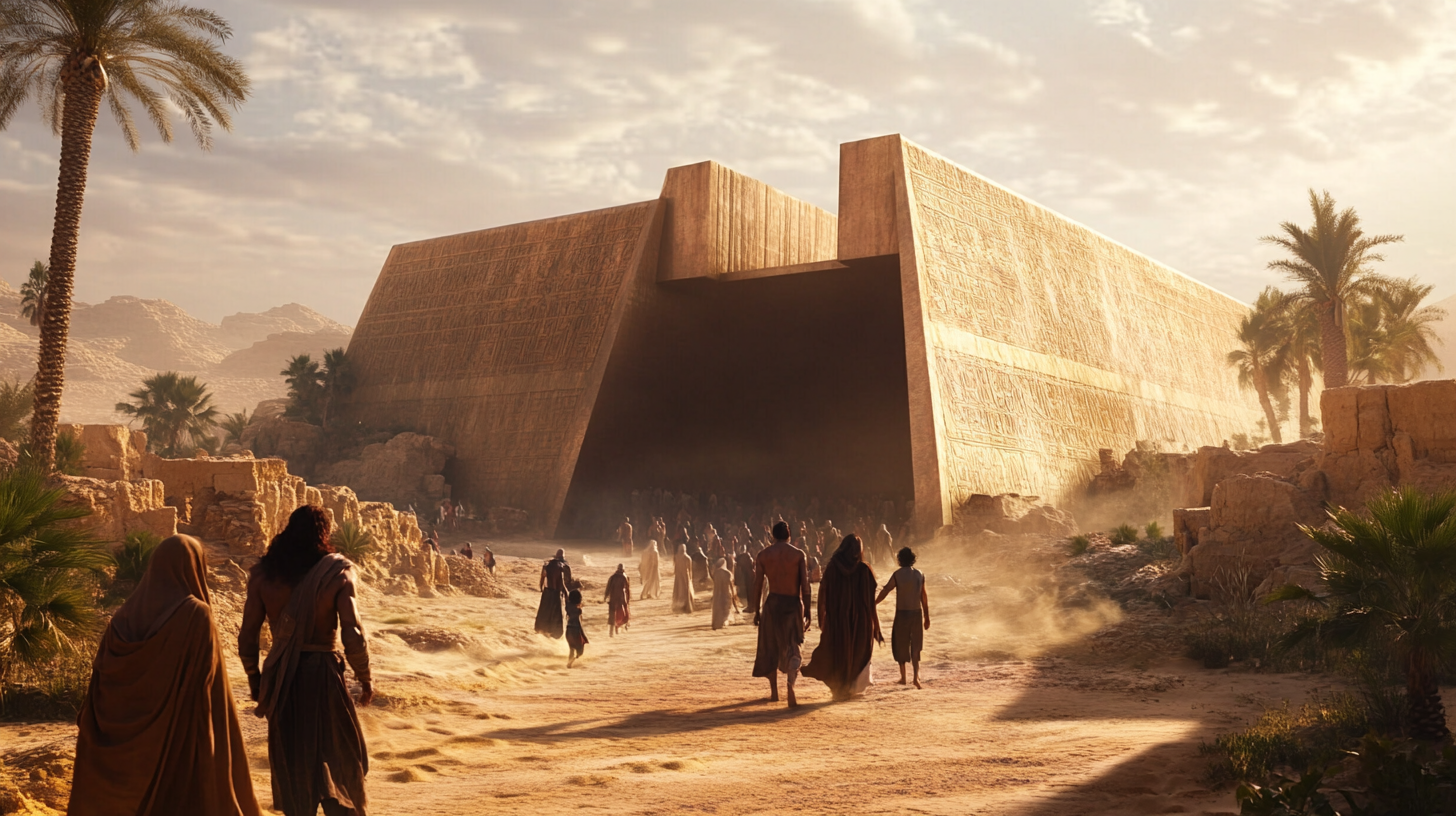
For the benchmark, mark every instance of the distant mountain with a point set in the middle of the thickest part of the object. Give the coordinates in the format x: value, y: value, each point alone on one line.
x: 116, y: 344
x: 1446, y: 351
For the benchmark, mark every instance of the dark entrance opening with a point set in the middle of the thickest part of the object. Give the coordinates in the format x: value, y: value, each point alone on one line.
x: 771, y: 387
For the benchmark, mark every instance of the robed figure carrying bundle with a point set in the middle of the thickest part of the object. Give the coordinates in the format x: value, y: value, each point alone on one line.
x: 848, y: 622
x: 159, y: 731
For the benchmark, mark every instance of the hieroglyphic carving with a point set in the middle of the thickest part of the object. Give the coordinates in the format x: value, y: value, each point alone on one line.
x: 1050, y: 341
x: 489, y: 340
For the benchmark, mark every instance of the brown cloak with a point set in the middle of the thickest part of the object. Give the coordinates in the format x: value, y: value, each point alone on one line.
x: 619, y: 595
x: 847, y: 601
x: 315, y: 745
x: 159, y: 730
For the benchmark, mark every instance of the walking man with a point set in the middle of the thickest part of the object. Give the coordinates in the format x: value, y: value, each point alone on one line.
x: 781, y: 617
x: 551, y: 614
x: 306, y: 593
x: 619, y: 599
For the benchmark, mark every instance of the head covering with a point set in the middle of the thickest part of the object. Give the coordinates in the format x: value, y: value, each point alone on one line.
x: 175, y: 573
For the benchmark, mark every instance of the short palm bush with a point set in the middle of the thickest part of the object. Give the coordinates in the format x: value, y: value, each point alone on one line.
x: 1123, y: 535
x: 1390, y: 580
x: 354, y: 542
x: 48, y: 577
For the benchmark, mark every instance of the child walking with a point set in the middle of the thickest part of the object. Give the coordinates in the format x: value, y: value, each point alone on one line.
x: 575, y: 636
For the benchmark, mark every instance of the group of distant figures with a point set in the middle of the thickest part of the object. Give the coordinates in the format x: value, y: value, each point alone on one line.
x: 740, y: 574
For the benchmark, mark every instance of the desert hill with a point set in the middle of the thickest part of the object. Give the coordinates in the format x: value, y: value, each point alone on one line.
x: 116, y: 344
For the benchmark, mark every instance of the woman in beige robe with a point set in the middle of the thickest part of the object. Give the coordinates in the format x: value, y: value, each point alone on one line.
x: 651, y: 572
x: 682, y: 580
x: 725, y: 599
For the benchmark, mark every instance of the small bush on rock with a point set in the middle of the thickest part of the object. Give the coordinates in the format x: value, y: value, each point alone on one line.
x: 1123, y: 535
x: 1078, y: 545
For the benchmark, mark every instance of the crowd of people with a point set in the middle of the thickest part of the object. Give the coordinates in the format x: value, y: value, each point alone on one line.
x: 159, y: 731
x: 740, y: 569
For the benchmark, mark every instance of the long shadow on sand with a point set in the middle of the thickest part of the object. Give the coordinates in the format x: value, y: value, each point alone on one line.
x: 654, y: 723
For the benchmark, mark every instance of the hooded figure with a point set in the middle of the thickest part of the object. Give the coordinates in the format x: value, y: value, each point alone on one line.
x: 847, y: 621
x: 682, y: 580
x: 725, y: 600
x: 651, y: 573
x: 555, y: 580
x: 158, y: 729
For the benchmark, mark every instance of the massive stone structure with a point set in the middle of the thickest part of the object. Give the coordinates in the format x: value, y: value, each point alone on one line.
x: 942, y: 336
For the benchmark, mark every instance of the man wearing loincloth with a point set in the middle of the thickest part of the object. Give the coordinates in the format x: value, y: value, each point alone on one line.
x: 555, y: 580
x: 781, y: 617
x: 306, y: 593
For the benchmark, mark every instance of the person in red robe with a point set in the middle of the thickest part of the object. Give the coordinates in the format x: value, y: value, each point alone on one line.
x: 619, y: 600
x: 848, y: 622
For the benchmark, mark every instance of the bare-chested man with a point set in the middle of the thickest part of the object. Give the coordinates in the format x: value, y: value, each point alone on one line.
x: 306, y: 593
x: 781, y: 617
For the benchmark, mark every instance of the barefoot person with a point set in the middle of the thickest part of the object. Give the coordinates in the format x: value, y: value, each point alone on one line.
x: 848, y: 622
x: 782, y: 616
x: 575, y: 635
x: 682, y: 580
x: 912, y: 613
x: 306, y: 593
x: 619, y: 600
x: 159, y: 733
x: 555, y: 576
x: 650, y: 570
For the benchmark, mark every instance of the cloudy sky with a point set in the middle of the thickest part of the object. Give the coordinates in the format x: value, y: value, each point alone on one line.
x: 1183, y: 129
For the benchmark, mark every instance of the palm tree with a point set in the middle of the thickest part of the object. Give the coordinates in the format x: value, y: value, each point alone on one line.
x: 16, y: 399
x: 1303, y: 346
x: 32, y: 293
x: 1391, y: 334
x: 73, y: 54
x: 338, y: 381
x: 1332, y: 260
x: 1262, y: 358
x: 1391, y: 579
x: 305, y: 388
x: 233, y: 425
x: 176, y: 412
x: 47, y: 564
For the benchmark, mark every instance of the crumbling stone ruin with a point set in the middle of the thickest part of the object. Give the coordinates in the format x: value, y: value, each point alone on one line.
x: 1245, y: 508
x: 236, y: 504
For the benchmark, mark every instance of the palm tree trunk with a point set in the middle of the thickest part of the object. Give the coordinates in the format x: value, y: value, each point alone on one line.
x: 1333, y: 348
x: 1423, y: 694
x: 1262, y: 388
x: 1306, y: 382
x: 84, y: 82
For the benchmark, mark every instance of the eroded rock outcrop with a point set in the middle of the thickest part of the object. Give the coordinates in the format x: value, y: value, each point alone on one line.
x: 1011, y: 514
x: 120, y: 508
x: 405, y: 471
x: 1376, y: 438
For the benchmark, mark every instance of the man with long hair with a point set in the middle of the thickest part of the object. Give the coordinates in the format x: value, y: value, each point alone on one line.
x: 781, y: 617
x: 848, y: 623
x: 305, y: 591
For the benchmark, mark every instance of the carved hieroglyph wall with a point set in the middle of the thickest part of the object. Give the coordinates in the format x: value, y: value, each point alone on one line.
x: 1029, y: 342
x: 1042, y: 341
x: 496, y: 341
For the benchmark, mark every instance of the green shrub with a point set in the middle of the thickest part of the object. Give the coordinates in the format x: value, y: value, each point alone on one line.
x: 1391, y: 778
x: 49, y: 573
x: 1078, y: 545
x: 131, y: 564
x: 1154, y: 531
x: 354, y: 542
x: 1123, y: 535
x: 1314, y: 735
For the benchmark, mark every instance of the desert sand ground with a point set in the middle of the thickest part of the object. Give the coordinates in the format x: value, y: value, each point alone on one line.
x: 666, y: 718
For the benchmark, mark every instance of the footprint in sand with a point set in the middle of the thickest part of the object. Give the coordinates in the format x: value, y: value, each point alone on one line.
x: 417, y: 753
x: 591, y: 780
x: 444, y: 731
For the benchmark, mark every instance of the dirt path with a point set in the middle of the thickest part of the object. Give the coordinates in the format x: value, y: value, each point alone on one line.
x: 666, y: 719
